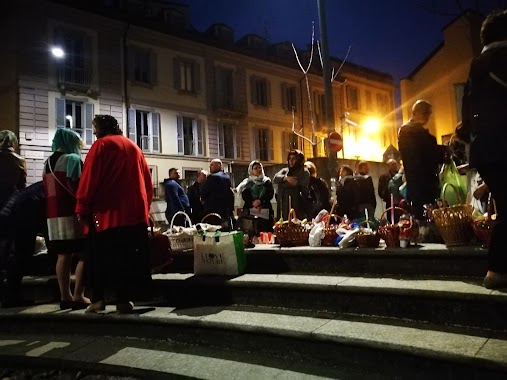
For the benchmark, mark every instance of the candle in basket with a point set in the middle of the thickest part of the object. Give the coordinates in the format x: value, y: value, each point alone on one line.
x: 392, y: 209
x: 367, y: 219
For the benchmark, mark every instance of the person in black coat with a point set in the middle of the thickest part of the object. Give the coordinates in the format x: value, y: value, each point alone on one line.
x: 194, y: 197
x: 483, y: 126
x: 421, y: 157
x: 365, y: 189
x: 320, y: 189
x: 346, y: 193
x: 22, y: 218
x: 216, y: 193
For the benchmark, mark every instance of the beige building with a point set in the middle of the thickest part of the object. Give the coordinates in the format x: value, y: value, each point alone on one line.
x: 184, y: 96
x: 441, y: 77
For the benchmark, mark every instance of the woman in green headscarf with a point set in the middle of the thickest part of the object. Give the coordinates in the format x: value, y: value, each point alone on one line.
x: 62, y: 171
x: 12, y: 167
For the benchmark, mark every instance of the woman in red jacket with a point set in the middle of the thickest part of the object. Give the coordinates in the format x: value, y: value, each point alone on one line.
x: 113, y: 199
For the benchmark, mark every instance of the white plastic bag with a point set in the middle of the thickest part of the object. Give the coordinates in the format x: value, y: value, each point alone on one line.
x: 316, y: 234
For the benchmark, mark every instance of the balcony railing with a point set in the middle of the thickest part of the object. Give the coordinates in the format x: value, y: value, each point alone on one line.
x: 74, y: 77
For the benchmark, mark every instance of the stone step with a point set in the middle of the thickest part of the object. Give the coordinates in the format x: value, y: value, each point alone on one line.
x: 366, y: 349
x: 443, y: 302
x: 426, y: 260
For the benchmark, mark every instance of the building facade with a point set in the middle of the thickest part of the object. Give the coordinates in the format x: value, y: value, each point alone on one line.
x: 441, y: 77
x: 183, y: 96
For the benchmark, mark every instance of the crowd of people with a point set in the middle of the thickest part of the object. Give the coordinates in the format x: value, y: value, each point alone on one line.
x: 96, y: 213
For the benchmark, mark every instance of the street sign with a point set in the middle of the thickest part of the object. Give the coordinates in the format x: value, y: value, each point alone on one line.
x: 335, y: 141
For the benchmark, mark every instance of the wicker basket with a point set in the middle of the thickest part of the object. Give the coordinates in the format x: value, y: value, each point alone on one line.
x: 291, y: 234
x: 180, y: 241
x: 454, y: 222
x: 390, y: 232
x: 367, y: 240
x: 482, y: 229
x: 329, y: 232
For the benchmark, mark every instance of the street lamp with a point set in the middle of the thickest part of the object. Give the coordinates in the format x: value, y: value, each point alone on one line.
x: 57, y: 52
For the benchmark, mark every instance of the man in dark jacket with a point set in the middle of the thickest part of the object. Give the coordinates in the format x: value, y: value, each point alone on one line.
x: 216, y: 193
x: 194, y: 197
x: 366, y: 190
x: 176, y: 198
x: 484, y: 125
x: 21, y: 219
x: 421, y: 156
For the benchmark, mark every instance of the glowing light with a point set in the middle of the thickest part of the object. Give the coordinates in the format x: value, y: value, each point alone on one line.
x: 371, y: 126
x: 57, y: 52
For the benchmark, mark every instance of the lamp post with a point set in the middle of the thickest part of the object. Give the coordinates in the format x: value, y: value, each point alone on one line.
x: 328, y: 89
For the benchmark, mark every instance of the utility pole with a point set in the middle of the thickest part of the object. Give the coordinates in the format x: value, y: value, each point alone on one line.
x: 328, y: 89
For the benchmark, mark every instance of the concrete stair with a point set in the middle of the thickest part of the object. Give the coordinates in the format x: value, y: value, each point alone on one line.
x: 411, y: 313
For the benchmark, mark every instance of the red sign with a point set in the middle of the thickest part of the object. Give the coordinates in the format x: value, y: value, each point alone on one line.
x: 335, y: 141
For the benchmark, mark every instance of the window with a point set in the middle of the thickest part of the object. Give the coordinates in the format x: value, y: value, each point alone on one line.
x: 260, y: 91
x: 224, y: 85
x: 459, y: 90
x: 352, y: 98
x: 144, y: 129
x: 190, y: 136
x: 289, y: 97
x: 369, y: 103
x: 383, y: 104
x: 319, y: 108
x: 228, y: 144
x: 75, y: 115
x: 75, y: 69
x: 263, y: 144
x: 186, y: 76
x: 290, y: 141
x: 142, y: 66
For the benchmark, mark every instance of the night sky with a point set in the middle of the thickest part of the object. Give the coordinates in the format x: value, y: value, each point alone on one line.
x: 392, y: 36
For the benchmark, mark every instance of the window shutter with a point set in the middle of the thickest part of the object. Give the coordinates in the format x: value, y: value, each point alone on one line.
x: 153, y: 68
x: 268, y: 92
x: 270, y: 144
x: 155, y: 131
x: 285, y: 103
x: 197, y: 77
x: 253, y: 90
x: 88, y: 127
x: 60, y: 113
x: 199, y: 139
x: 256, y: 147
x: 131, y: 120
x: 177, y: 76
x: 220, y: 138
x: 179, y: 131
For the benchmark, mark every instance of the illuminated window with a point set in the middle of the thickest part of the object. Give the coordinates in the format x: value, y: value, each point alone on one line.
x: 144, y: 129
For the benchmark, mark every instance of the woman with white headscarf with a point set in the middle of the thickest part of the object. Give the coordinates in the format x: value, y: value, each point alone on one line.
x: 257, y: 192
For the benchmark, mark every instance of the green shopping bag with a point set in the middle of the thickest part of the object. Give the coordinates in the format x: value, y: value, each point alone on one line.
x: 449, y: 174
x: 219, y: 253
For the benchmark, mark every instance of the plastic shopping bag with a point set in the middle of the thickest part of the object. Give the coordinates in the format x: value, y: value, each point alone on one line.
x: 219, y: 253
x: 449, y: 174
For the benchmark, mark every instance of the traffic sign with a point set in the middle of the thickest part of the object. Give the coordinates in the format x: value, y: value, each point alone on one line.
x: 335, y: 141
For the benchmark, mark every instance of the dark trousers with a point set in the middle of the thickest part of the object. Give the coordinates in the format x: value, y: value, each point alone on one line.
x: 119, y: 262
x: 496, y: 179
x: 419, y: 194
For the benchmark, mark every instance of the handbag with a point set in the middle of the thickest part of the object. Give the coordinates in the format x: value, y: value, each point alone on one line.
x: 159, y: 249
x: 219, y: 253
x: 260, y: 212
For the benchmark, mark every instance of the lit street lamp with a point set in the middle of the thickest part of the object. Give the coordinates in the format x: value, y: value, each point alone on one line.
x: 57, y: 52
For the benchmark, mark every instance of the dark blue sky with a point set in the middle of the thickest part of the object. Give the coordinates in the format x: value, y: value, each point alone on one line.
x: 392, y: 36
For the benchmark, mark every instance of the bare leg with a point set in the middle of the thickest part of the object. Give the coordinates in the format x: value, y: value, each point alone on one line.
x: 63, y: 266
x: 79, y: 285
